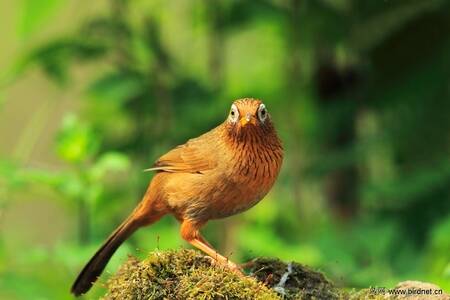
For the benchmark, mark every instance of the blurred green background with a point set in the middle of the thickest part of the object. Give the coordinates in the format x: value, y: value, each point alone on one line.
x: 93, y: 92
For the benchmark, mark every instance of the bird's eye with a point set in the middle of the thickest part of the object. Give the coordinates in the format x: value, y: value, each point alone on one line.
x: 262, y: 112
x: 234, y: 113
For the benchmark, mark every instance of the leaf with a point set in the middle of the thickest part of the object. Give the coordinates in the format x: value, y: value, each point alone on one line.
x: 116, y: 87
x: 76, y: 141
x: 440, y: 236
x: 110, y: 162
x: 72, y: 187
x: 56, y: 57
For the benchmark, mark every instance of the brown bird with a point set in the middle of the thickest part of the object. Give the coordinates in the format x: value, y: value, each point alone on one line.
x: 218, y: 174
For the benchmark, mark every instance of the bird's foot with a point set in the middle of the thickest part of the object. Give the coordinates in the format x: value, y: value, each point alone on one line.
x: 235, y: 268
x: 212, y: 260
x: 227, y: 264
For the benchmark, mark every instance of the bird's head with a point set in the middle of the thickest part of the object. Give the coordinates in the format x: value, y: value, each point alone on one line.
x: 248, y: 116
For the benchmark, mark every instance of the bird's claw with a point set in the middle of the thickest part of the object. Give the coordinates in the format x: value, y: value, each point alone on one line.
x: 228, y: 264
x: 237, y: 270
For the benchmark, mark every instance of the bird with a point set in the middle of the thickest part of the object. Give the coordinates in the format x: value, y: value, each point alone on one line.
x: 223, y: 172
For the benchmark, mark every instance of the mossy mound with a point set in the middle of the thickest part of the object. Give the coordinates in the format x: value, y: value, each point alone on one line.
x: 365, y: 294
x: 188, y: 274
x: 182, y: 274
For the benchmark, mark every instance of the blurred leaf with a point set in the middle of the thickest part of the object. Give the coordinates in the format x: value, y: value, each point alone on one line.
x: 440, y: 236
x: 108, y: 164
x: 76, y: 142
x: 57, y: 56
x: 72, y: 187
x: 105, y: 28
x: 117, y: 87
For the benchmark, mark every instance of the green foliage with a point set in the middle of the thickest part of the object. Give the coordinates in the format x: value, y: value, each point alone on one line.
x: 116, y: 87
x: 76, y: 142
x: 358, y: 91
x: 56, y: 57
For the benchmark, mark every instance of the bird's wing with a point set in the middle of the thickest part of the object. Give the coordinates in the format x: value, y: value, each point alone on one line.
x: 191, y: 157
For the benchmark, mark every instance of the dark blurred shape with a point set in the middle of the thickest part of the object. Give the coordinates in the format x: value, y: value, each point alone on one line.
x: 333, y: 81
x: 337, y: 86
x: 293, y: 280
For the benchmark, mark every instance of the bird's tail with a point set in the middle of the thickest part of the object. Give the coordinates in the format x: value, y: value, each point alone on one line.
x: 147, y: 212
x: 97, y: 263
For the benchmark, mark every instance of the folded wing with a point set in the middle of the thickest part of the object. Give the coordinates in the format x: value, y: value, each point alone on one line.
x: 192, y: 157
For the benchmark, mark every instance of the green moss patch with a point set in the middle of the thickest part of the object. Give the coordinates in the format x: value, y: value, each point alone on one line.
x: 182, y: 274
x: 188, y: 274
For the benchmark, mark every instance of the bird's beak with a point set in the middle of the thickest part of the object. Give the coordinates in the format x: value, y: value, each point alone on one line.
x: 248, y: 118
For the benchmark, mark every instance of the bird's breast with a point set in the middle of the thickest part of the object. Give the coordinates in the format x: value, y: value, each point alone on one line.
x: 242, y: 177
x: 240, y: 183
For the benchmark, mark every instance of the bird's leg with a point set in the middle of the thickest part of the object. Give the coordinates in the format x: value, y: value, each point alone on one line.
x: 190, y: 233
x: 204, y: 241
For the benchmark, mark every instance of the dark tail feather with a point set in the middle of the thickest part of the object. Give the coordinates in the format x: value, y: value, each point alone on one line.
x: 95, y: 266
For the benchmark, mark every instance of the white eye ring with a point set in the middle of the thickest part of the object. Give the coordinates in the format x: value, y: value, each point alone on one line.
x: 234, y: 113
x: 262, y: 112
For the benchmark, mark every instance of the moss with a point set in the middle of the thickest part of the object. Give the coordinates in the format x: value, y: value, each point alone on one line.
x: 364, y: 294
x: 188, y: 274
x: 183, y: 274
